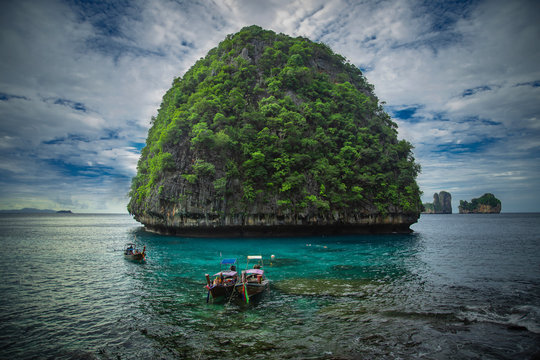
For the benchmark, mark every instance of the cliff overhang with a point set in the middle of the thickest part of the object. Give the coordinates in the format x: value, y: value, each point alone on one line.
x: 263, y: 225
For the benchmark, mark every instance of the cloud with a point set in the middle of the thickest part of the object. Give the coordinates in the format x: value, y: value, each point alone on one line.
x: 80, y: 82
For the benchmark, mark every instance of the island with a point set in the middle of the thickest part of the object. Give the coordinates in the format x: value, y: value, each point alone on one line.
x: 27, y: 211
x: 486, y: 204
x: 35, y: 211
x: 442, y: 204
x: 270, y: 135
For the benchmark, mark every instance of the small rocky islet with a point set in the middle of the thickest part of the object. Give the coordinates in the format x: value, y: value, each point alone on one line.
x: 274, y: 135
x: 442, y: 204
x: 486, y: 204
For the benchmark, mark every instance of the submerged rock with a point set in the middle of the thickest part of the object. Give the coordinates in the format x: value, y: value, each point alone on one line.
x: 323, y: 287
x: 344, y: 311
x: 274, y: 135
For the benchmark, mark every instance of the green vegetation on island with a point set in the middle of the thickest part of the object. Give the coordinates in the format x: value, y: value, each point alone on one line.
x: 270, y: 129
x: 487, y: 203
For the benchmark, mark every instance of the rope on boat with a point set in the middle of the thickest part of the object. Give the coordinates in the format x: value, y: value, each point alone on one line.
x: 232, y: 294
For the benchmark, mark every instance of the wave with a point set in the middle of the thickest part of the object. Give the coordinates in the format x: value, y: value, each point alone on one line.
x: 522, y: 317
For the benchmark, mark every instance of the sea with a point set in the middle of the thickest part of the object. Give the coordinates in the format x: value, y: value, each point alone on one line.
x: 458, y: 287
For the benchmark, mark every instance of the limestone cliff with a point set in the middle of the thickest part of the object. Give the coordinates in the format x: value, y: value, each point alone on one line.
x: 442, y: 204
x: 486, y: 204
x: 273, y: 135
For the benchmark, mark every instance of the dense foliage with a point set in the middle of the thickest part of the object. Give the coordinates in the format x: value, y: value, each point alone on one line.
x: 486, y: 199
x: 269, y: 119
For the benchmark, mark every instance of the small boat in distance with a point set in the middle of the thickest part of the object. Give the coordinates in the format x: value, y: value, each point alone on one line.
x: 223, y: 284
x: 253, y: 281
x: 132, y: 253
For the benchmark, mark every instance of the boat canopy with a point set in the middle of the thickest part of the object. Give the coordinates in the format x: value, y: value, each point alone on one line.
x: 228, y: 261
x: 226, y: 273
x: 254, y: 257
x: 255, y: 271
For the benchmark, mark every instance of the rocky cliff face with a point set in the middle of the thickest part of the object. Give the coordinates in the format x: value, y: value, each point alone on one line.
x: 273, y: 135
x: 442, y: 204
x: 482, y: 209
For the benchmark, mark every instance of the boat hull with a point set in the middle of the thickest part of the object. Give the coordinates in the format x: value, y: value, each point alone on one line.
x: 135, y: 257
x: 253, y: 288
x: 220, y: 291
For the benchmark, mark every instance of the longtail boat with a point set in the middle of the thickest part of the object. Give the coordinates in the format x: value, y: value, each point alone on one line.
x: 132, y: 253
x: 253, y: 281
x: 222, y: 286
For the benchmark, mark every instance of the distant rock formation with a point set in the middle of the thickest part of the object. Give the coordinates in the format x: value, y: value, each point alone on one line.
x: 27, y: 211
x: 486, y: 204
x: 442, y: 204
x: 34, y: 211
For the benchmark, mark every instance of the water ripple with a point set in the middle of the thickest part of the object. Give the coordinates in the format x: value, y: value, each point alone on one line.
x: 68, y: 293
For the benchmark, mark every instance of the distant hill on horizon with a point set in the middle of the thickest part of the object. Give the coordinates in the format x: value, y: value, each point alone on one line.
x: 33, y: 211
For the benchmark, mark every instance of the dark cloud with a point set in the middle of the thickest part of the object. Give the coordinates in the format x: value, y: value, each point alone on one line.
x: 6, y: 97
x: 70, y: 103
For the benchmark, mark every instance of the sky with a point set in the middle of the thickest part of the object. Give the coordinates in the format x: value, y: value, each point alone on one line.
x: 80, y: 81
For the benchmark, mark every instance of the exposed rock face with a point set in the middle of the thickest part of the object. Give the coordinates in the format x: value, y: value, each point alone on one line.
x: 482, y: 209
x: 486, y: 204
x: 442, y: 204
x: 257, y: 225
x: 445, y: 203
x: 273, y: 135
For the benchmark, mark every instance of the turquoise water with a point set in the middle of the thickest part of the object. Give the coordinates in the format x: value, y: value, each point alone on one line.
x: 460, y: 286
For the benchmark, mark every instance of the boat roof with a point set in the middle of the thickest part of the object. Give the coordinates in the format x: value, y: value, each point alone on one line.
x: 228, y: 261
x: 254, y: 257
x: 226, y: 273
x: 255, y: 271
